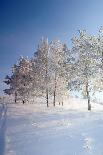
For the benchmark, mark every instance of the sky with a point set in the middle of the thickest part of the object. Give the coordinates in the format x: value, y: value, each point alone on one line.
x: 24, y: 22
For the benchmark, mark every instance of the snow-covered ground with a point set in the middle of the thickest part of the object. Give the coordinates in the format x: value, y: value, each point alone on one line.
x: 35, y: 129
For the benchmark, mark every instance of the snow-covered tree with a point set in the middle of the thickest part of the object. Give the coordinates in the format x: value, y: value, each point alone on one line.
x: 24, y: 78
x: 40, y: 69
x: 35, y: 92
x: 54, y: 68
x: 99, y: 53
x: 12, y: 81
x: 85, y: 64
x: 57, y: 70
x: 20, y: 80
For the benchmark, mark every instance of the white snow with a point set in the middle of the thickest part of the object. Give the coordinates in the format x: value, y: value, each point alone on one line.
x: 34, y: 129
x: 88, y: 143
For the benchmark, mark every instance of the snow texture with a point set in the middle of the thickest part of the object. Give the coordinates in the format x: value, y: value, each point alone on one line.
x: 34, y: 129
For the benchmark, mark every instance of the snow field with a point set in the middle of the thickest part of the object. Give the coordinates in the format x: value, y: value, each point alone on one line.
x: 34, y: 129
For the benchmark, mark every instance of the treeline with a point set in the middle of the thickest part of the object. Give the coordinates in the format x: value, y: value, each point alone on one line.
x: 54, y: 70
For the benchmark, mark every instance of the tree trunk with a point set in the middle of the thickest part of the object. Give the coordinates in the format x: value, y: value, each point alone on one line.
x: 54, y: 90
x: 89, y: 105
x: 88, y: 97
x: 47, y: 97
x: 62, y: 103
x: 15, y: 97
x: 102, y: 66
x: 23, y: 101
x: 54, y: 99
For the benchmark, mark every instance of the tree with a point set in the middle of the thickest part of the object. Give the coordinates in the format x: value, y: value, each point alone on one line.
x: 57, y: 70
x: 99, y: 63
x: 20, y: 80
x: 24, y: 70
x: 40, y: 69
x: 12, y: 81
x: 85, y: 63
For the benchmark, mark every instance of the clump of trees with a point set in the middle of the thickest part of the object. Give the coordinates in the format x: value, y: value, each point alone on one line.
x: 42, y: 75
x: 54, y: 70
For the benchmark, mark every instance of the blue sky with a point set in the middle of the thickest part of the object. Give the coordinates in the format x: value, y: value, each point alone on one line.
x: 24, y: 22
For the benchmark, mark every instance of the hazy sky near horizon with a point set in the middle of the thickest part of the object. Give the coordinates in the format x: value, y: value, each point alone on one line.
x: 24, y: 22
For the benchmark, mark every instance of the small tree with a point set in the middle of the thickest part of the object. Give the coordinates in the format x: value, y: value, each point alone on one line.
x: 12, y: 81
x: 24, y: 81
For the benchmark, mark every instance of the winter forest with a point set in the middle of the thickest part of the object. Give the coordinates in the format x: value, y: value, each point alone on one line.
x: 55, y: 70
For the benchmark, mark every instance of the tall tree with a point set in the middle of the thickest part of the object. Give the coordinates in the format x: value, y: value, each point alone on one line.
x: 84, y: 47
x: 58, y: 70
x: 99, y: 63
x: 41, y: 68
